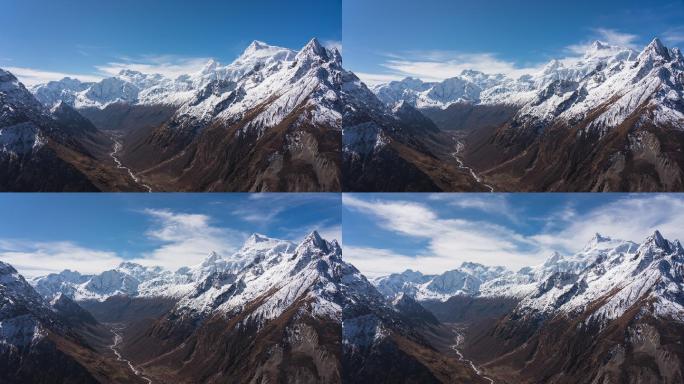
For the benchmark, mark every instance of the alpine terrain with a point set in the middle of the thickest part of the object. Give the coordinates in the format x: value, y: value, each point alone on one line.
x: 269, y: 121
x: 611, y: 120
x: 612, y: 313
x: 274, y: 311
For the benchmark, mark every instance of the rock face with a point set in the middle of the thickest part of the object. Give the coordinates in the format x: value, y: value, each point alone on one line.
x: 269, y: 121
x: 51, y: 150
x: 296, y: 312
x: 41, y: 344
x: 608, y: 121
x: 395, y: 149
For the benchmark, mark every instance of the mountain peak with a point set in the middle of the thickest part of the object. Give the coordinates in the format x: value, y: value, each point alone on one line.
x: 313, y: 48
x: 256, y: 45
x: 314, y: 240
x: 655, y: 49
x: 210, y: 66
x: 255, y: 238
x: 597, y: 44
x: 599, y: 238
x: 6, y: 269
x: 658, y: 239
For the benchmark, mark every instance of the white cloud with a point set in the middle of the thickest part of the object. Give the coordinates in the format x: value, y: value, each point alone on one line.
x: 333, y: 44
x: 496, y: 204
x: 372, y: 79
x: 451, y: 240
x: 606, y: 36
x: 632, y: 217
x: 374, y: 262
x: 186, y: 239
x: 40, y: 258
x: 31, y: 76
x: 437, y: 65
x: 168, y: 65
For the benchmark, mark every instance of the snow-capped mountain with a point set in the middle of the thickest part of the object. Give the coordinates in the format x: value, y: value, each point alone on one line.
x: 476, y: 280
x: 285, y: 78
x: 135, y: 280
x: 53, y: 149
x: 24, y: 314
x: 394, y: 148
x: 465, y: 280
x: 22, y: 118
x: 621, y: 315
x: 41, y: 341
x: 566, y: 89
x: 617, y: 279
x: 610, y: 120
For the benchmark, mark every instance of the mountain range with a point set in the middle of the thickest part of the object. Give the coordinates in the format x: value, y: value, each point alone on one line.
x: 610, y: 120
x: 287, y: 311
x: 268, y: 121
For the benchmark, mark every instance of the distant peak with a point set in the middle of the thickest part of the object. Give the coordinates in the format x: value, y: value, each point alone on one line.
x: 129, y: 72
x: 599, y: 45
x: 210, y: 65
x: 257, y: 238
x: 256, y: 45
x: 599, y: 238
x: 129, y: 265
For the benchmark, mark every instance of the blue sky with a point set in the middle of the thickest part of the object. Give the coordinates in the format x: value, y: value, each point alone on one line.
x: 46, y: 39
x: 388, y: 39
x: 433, y: 233
x: 41, y: 233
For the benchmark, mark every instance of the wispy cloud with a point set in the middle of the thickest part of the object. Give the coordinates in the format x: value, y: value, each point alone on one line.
x: 333, y: 44
x: 437, y: 65
x: 372, y: 79
x: 452, y: 240
x: 168, y: 65
x: 186, y: 239
x: 32, y: 76
x: 40, y: 258
x: 607, y: 36
x: 497, y: 204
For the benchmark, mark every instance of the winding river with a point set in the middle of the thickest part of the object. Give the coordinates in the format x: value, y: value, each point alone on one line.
x: 117, y: 340
x: 459, y: 148
x: 115, y: 151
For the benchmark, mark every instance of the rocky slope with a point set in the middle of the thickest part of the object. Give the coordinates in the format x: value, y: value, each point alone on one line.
x: 395, y: 149
x: 269, y: 121
x: 41, y: 343
x: 51, y: 150
x: 617, y: 307
x: 610, y: 120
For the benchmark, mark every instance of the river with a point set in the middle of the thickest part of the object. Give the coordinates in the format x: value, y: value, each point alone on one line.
x: 117, y: 340
x: 117, y: 148
x: 459, y: 148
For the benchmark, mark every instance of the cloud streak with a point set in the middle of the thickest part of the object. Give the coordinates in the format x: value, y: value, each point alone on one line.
x: 186, y: 239
x: 170, y: 66
x: 452, y: 240
x: 41, y: 258
x: 438, y: 65
x: 32, y: 76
